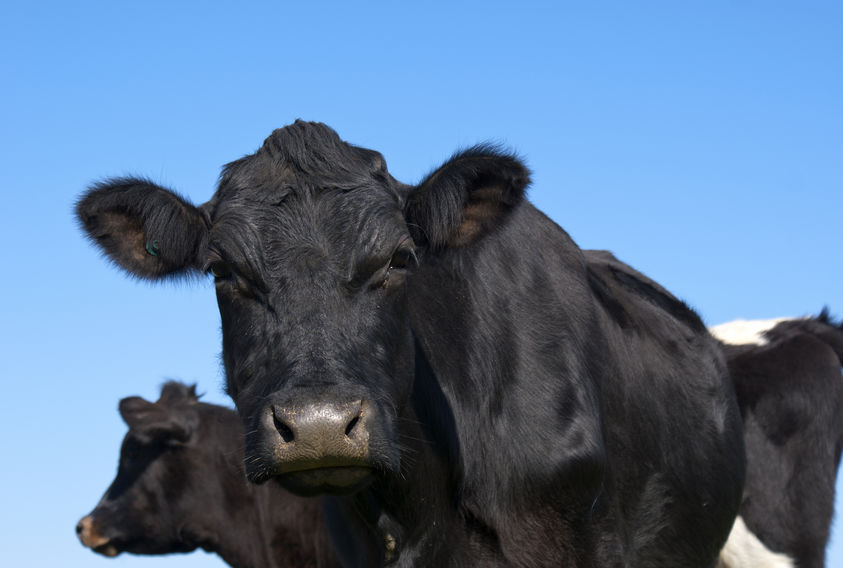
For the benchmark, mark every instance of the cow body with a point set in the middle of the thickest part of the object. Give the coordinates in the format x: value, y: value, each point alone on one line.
x: 787, y: 375
x: 443, y: 360
x: 181, y: 485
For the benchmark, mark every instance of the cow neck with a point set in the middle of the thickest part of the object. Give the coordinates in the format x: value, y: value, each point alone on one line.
x: 401, y: 511
x: 247, y: 543
x: 412, y: 513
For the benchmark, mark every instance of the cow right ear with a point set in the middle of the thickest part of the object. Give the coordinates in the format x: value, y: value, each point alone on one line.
x: 151, y: 421
x: 467, y: 197
x: 147, y: 230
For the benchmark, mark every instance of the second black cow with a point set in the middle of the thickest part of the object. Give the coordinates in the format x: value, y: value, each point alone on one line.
x: 181, y: 485
x: 442, y: 360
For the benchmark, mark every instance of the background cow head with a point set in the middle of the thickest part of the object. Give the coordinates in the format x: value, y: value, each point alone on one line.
x: 148, y: 506
x: 311, y: 243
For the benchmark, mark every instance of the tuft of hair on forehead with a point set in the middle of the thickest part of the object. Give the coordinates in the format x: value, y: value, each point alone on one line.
x: 306, y: 150
x: 173, y: 392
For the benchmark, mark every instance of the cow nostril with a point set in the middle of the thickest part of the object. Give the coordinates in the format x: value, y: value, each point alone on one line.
x: 79, y: 528
x: 285, y: 431
x: 352, y: 424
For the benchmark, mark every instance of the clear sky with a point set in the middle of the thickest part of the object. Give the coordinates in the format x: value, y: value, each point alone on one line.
x: 702, y: 142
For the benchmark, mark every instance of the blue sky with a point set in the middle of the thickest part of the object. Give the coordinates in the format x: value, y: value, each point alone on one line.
x: 701, y: 142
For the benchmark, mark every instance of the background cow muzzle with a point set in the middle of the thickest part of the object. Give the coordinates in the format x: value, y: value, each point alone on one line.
x: 89, y: 535
x: 313, y: 447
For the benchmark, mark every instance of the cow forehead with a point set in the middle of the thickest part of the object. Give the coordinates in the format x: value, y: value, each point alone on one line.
x: 322, y: 219
x: 306, y: 194
x: 306, y: 168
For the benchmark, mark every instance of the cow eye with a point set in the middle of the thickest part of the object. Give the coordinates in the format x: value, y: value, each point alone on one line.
x: 220, y: 270
x: 401, y: 259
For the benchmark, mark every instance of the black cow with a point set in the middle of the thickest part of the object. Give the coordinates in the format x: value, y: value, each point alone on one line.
x: 790, y: 391
x: 181, y: 485
x: 441, y: 358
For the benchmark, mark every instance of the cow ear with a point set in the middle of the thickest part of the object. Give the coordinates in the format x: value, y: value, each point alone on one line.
x: 147, y: 230
x: 154, y: 421
x: 137, y: 412
x: 467, y: 197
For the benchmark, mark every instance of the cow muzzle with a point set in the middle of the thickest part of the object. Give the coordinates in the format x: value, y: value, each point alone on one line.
x: 89, y: 536
x: 315, y: 447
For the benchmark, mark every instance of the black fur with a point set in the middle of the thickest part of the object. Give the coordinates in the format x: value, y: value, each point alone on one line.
x: 181, y: 485
x: 521, y: 407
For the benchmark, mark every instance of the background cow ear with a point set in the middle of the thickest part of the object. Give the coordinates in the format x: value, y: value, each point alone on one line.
x: 465, y: 198
x: 154, y: 421
x: 137, y: 411
x: 147, y: 230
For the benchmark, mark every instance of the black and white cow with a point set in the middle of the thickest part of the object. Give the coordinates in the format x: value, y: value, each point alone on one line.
x: 787, y: 374
x: 442, y: 360
x: 181, y: 485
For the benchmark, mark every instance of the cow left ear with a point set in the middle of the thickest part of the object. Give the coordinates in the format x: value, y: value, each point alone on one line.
x: 154, y: 421
x: 147, y: 230
x: 465, y: 198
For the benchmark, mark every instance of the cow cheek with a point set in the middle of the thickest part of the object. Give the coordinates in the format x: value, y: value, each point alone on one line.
x: 404, y: 369
x: 241, y: 344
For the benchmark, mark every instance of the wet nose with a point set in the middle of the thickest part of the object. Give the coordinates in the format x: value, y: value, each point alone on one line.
x: 315, y: 435
x: 319, y: 424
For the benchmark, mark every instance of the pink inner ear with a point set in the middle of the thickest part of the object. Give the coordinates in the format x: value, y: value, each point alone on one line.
x: 125, y: 241
x: 481, y: 211
x: 130, y: 238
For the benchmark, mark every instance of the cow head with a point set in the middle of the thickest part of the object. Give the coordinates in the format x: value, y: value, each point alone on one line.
x: 150, y: 501
x: 312, y: 245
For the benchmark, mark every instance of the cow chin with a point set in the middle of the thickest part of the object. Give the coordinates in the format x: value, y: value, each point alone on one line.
x: 342, y: 480
x: 108, y: 550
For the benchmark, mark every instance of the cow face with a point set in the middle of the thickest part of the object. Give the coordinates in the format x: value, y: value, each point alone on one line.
x: 150, y: 501
x: 312, y: 245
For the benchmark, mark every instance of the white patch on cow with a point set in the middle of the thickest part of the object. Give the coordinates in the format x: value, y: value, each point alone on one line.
x: 742, y: 332
x: 744, y: 550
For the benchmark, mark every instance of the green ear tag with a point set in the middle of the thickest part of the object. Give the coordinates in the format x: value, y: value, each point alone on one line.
x: 152, y: 248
